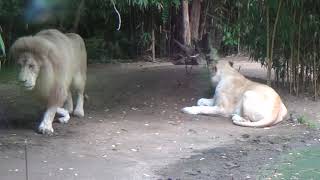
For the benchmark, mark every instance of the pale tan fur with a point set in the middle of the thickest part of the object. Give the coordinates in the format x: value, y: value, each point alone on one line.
x: 52, y: 64
x: 248, y: 103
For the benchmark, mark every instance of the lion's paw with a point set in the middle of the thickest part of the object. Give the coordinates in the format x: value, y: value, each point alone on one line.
x: 78, y: 112
x: 64, y: 119
x: 46, y: 128
x: 190, y: 110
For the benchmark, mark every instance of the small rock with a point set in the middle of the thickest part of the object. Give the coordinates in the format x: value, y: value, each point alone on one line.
x: 146, y: 175
x: 231, y: 165
x: 192, y: 131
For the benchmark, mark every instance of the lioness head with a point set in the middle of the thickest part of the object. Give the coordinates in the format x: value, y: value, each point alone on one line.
x: 28, y: 70
x: 217, y: 70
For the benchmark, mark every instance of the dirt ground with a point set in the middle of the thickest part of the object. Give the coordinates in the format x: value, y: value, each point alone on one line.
x: 133, y: 129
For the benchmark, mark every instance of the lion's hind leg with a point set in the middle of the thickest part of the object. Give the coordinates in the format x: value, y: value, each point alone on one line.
x: 78, y: 111
x: 69, y: 103
x: 79, y: 85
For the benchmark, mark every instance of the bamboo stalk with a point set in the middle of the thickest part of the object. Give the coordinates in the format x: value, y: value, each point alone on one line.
x: 268, y: 46
x: 272, y: 43
x: 315, y: 71
x: 298, y: 54
x: 291, y: 82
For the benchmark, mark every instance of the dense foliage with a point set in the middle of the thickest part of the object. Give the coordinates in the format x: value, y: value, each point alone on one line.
x: 281, y: 34
x: 284, y: 35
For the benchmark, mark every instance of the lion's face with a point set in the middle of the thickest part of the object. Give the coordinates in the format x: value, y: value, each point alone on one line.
x: 28, y: 70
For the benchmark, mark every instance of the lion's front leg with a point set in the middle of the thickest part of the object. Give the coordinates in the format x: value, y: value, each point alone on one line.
x: 56, y: 99
x: 46, y: 123
x: 65, y: 116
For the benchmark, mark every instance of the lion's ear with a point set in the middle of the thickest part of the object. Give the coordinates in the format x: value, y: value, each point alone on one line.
x: 231, y: 63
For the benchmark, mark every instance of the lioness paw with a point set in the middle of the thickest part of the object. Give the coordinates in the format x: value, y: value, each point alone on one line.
x: 205, y: 102
x: 237, y: 118
x: 190, y: 110
x: 45, y: 128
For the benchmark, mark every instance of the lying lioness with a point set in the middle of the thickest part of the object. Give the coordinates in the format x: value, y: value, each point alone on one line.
x: 248, y: 103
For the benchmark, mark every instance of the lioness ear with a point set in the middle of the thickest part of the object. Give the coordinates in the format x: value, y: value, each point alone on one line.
x: 231, y: 63
x: 214, y: 68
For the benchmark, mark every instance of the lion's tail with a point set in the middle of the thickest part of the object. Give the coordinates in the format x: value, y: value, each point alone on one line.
x: 259, y: 124
x: 267, y: 121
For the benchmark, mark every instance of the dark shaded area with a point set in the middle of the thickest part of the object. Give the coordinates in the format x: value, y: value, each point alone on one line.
x: 11, y: 119
x: 246, y: 159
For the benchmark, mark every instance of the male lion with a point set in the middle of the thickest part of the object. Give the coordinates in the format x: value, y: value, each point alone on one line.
x: 248, y: 103
x: 53, y: 64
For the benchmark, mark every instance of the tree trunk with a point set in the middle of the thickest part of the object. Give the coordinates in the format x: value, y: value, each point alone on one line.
x: 153, y: 45
x: 195, y: 19
x: 78, y: 15
x: 203, y: 19
x: 186, y: 35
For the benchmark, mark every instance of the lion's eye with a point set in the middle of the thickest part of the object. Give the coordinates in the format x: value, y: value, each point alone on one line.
x: 31, y: 66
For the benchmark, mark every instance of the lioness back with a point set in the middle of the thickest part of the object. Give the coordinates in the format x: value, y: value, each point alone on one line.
x: 249, y: 103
